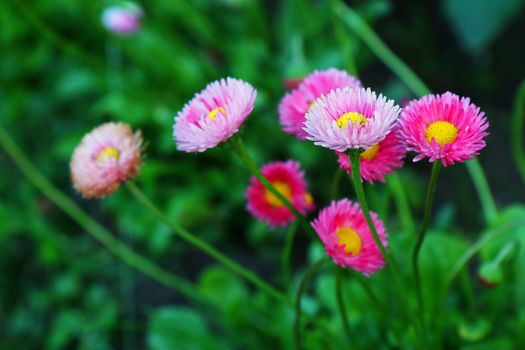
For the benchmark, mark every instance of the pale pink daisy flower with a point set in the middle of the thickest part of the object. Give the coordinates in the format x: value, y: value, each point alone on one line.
x: 107, y: 156
x: 288, y: 178
x: 350, y: 118
x: 377, y: 161
x: 344, y: 232
x: 443, y: 127
x: 122, y: 20
x: 295, y: 104
x: 213, y: 115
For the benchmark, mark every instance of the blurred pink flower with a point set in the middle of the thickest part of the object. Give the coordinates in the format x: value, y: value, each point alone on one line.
x: 213, y: 115
x: 288, y: 179
x: 443, y: 127
x: 295, y: 104
x: 107, y: 156
x: 350, y: 118
x: 344, y: 232
x: 122, y: 20
x: 380, y: 159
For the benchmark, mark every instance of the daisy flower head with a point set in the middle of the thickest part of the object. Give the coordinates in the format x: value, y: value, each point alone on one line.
x: 380, y: 159
x: 443, y: 127
x: 107, y: 156
x: 213, y: 115
x: 349, y: 118
x: 287, y: 178
x: 344, y: 232
x: 295, y: 104
x: 122, y: 20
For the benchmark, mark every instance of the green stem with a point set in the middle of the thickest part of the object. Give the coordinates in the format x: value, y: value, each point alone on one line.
x: 403, y: 208
x: 302, y: 286
x: 344, y: 44
x: 205, y: 247
x: 92, y: 227
x: 243, y: 154
x: 340, y: 303
x: 482, y: 188
x: 517, y: 130
x: 414, y: 83
x: 287, y: 253
x: 355, y: 160
x: 429, y: 201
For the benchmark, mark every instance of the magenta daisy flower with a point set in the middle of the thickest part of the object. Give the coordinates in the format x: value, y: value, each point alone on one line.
x: 107, y: 156
x: 295, y: 104
x: 288, y: 178
x: 443, y: 127
x: 380, y: 159
x: 344, y: 232
x: 350, y: 118
x: 213, y: 115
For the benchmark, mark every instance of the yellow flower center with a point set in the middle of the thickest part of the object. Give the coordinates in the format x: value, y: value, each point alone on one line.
x: 283, y: 189
x: 213, y: 113
x: 370, y: 153
x: 350, y: 239
x: 352, y: 117
x: 308, y: 198
x: 443, y: 132
x: 108, y: 153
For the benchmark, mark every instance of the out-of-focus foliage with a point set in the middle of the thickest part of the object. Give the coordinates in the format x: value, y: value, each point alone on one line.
x: 61, y: 74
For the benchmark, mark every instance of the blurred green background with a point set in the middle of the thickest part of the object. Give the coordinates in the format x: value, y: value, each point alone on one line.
x: 62, y: 74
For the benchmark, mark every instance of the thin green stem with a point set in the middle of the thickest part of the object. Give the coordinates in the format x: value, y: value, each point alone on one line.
x: 287, y: 254
x: 403, y: 208
x: 302, y: 287
x: 92, y: 227
x: 482, y: 188
x: 429, y: 201
x: 518, y: 146
x: 205, y: 247
x: 243, y: 154
x: 341, y: 304
x: 414, y: 83
x: 355, y: 160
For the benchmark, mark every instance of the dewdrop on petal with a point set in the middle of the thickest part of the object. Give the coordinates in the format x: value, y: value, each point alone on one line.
x: 124, y: 19
x: 349, y: 118
x: 443, y: 127
x: 379, y: 160
x: 107, y: 156
x: 288, y: 179
x: 295, y: 104
x: 213, y: 115
x: 344, y: 232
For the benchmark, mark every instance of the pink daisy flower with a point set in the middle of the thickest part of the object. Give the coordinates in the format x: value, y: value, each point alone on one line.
x: 444, y: 127
x: 350, y: 118
x: 122, y: 20
x: 288, y: 178
x: 107, y: 156
x: 213, y: 115
x: 377, y: 161
x: 344, y: 232
x: 295, y: 104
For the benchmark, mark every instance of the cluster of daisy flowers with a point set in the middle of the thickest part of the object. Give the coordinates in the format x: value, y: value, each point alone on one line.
x: 330, y: 108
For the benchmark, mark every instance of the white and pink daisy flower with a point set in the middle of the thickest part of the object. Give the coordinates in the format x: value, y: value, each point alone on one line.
x: 344, y: 232
x: 213, y: 115
x: 122, y: 20
x: 349, y: 118
x: 107, y: 156
x: 288, y: 178
x: 443, y: 127
x: 379, y: 160
x: 295, y: 104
